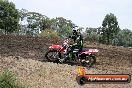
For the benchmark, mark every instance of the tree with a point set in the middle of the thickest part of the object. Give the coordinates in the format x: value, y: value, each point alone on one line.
x: 62, y: 26
x: 93, y: 34
x: 110, y: 28
x: 9, y: 16
x: 35, y: 22
x: 125, y: 38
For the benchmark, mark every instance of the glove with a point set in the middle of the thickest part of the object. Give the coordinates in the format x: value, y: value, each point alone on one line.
x: 75, y: 44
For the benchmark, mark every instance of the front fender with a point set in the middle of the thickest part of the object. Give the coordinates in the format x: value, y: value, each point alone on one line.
x: 55, y: 47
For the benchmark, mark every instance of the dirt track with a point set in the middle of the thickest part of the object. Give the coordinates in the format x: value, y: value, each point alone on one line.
x: 110, y: 59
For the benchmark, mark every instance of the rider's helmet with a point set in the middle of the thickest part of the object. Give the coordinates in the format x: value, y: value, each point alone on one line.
x: 76, y: 31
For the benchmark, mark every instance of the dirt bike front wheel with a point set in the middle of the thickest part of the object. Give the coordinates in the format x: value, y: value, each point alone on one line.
x: 52, y: 55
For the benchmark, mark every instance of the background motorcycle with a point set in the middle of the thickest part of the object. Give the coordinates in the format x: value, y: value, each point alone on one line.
x: 85, y: 57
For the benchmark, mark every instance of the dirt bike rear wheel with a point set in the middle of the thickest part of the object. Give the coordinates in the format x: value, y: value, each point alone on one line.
x: 52, y: 55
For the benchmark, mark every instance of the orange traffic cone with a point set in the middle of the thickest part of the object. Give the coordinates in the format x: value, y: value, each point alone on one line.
x: 81, y: 71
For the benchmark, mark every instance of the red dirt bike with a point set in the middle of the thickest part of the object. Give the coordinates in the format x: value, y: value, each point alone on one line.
x: 85, y: 57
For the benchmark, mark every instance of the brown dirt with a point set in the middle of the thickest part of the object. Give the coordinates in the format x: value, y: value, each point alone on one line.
x: 23, y: 55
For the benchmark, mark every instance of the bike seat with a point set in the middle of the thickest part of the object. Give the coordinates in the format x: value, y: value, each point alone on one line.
x: 84, y: 49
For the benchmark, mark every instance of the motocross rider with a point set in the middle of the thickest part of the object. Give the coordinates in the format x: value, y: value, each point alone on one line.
x: 78, y: 42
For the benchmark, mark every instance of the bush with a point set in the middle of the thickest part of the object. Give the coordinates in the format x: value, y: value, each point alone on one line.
x: 50, y: 34
x: 8, y: 80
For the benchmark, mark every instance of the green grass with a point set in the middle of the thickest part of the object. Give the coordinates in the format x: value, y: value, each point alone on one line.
x: 9, y: 80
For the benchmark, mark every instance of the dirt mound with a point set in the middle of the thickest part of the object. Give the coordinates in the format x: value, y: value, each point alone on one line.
x: 36, y: 47
x: 112, y: 55
x: 25, y: 46
x: 21, y: 54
